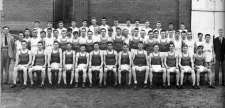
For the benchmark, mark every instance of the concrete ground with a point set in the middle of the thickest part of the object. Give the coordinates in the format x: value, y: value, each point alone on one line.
x: 112, y: 98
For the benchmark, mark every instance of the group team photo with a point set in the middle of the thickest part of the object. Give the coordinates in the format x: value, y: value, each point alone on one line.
x: 99, y: 50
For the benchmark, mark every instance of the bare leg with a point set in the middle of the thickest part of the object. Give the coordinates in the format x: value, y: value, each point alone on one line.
x: 84, y: 75
x: 150, y: 76
x: 72, y: 76
x: 59, y: 76
x: 134, y: 75
x: 15, y: 73
x: 177, y: 76
x: 30, y: 72
x: 164, y: 76
x: 100, y: 76
x: 115, y: 76
x: 76, y: 75
x: 105, y: 75
x: 43, y: 76
x: 146, y: 75
x: 197, y: 77
x: 168, y: 78
x: 181, y: 77
x: 64, y: 76
x: 49, y: 76
x: 90, y: 75
x: 25, y: 76
x: 193, y: 77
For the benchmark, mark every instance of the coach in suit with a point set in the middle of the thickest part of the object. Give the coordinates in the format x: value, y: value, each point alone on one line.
x: 219, y: 49
x: 7, y: 53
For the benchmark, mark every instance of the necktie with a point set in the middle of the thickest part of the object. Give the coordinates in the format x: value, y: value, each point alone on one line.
x: 6, y: 43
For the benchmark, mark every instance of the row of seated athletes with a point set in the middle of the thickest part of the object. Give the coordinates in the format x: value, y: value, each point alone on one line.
x: 135, y: 63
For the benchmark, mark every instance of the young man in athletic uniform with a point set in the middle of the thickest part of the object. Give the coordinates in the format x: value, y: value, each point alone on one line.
x: 104, y: 24
x: 74, y: 26
x: 18, y: 45
x: 163, y: 45
x: 128, y: 26
x: 140, y: 63
x: 158, y: 27
x: 23, y: 60
x: 94, y: 27
x: 177, y: 42
x: 39, y: 63
x: 37, y: 27
x: 63, y: 40
x: 75, y: 41
x: 55, y: 35
x: 34, y: 41
x: 55, y: 62
x: 84, y: 26
x: 142, y: 35
x: 27, y: 35
x: 82, y: 61
x: 190, y: 42
x: 182, y: 28
x: 48, y: 42
x: 115, y: 25
x: 110, y: 35
x: 83, y: 37
x: 147, y: 27
x: 199, y: 60
x: 68, y: 63
x: 118, y: 40
x: 124, y: 62
x: 148, y: 43
x: 186, y: 65
x: 199, y: 41
x: 208, y: 51
x: 96, y: 63
x: 135, y: 40
x: 171, y: 64
x: 103, y: 40
x: 170, y: 32
x: 126, y: 36
x: 89, y: 42
x: 156, y: 64
x: 49, y: 26
x: 60, y: 28
x: 110, y: 62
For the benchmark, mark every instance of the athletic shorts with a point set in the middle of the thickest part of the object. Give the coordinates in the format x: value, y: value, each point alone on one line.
x: 55, y: 66
x: 201, y: 68
x: 37, y: 68
x: 96, y: 68
x: 186, y: 69
x: 81, y: 67
x: 68, y: 66
x: 21, y: 67
x: 208, y: 57
x: 110, y: 67
x: 171, y: 69
x: 141, y: 68
x: 157, y: 68
x: 125, y: 67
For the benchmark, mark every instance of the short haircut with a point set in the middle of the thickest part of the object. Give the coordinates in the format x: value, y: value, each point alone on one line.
x: 171, y: 43
x: 109, y: 42
x: 200, y: 46
x: 163, y: 31
x: 36, y: 21
x: 136, y: 29
x: 96, y: 43
x: 75, y: 32
x: 82, y: 45
x: 150, y: 31
x: 155, y: 44
x: 49, y: 29
x: 184, y: 32
x: 23, y: 41
x: 55, y: 30
x: 89, y: 31
x: 5, y: 27
x: 207, y: 35
x: 56, y: 42
x: 60, y: 22
x: 103, y: 29
x: 43, y: 32
x: 118, y: 28
x: 69, y: 29
x: 200, y: 34
x: 155, y: 31
x: 40, y: 42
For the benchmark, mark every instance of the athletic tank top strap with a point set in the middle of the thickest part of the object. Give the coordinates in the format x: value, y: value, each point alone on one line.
x: 23, y: 57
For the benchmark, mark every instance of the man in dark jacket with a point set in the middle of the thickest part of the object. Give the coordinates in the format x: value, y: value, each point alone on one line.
x: 219, y: 49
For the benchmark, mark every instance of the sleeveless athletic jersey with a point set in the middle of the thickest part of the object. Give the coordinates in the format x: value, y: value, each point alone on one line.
x: 140, y: 59
x: 163, y: 46
x: 96, y: 59
x: 69, y: 58
x: 149, y: 47
x: 185, y: 61
x: 75, y: 44
x: 82, y: 59
x: 23, y: 58
x: 125, y: 59
x: 177, y: 45
x: 89, y: 46
x: 198, y: 43
x: 103, y: 44
x: 118, y: 43
x: 110, y: 59
x: 199, y: 60
x: 39, y: 59
x: 63, y: 44
x: 55, y: 57
x: 134, y: 43
x: 155, y: 59
x: 171, y: 60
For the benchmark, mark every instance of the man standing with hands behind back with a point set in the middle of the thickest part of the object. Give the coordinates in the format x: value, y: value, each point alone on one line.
x: 7, y: 53
x: 219, y: 49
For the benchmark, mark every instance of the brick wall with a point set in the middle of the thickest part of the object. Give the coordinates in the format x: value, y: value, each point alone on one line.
x: 21, y: 13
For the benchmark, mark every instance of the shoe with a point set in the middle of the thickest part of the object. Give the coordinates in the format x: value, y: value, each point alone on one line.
x: 13, y: 86
x: 24, y: 86
x: 100, y: 86
x: 164, y: 85
x: 135, y: 86
x: 168, y: 87
x: 181, y: 87
x: 194, y: 87
x: 197, y: 87
x: 83, y: 85
x: 41, y: 86
x: 177, y: 86
x: 90, y: 85
x: 211, y: 86
x: 76, y: 85
x: 145, y: 86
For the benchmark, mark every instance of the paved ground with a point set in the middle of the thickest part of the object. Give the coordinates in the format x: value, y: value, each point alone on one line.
x: 112, y: 98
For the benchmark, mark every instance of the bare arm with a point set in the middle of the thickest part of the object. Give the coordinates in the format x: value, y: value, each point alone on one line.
x: 165, y: 59
x: 60, y: 55
x: 76, y: 61
x: 17, y: 58
x: 74, y: 58
x: 64, y: 60
x: 30, y: 58
x: 119, y: 59
x: 88, y: 58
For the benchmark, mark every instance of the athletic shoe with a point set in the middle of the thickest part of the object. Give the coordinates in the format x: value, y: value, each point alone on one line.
x: 76, y: 85
x: 83, y: 85
x: 90, y: 85
x: 13, y: 86
x: 211, y: 86
x: 197, y: 87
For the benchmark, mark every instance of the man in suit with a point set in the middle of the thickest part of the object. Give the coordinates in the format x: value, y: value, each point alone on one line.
x: 219, y: 47
x: 7, y: 53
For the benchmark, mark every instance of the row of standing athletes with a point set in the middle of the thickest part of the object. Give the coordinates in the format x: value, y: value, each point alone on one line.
x: 137, y: 62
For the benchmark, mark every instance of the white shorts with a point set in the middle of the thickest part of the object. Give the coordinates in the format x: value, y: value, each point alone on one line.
x: 96, y: 68
x: 34, y: 50
x: 21, y: 67
x: 55, y: 66
x: 172, y: 69
x: 157, y: 68
x: 187, y: 69
x: 163, y: 53
x: 81, y: 67
x: 208, y: 57
x: 141, y: 68
x: 110, y: 67
x: 37, y: 68
x: 48, y: 49
x: 201, y: 69
x: 68, y: 66
x: 125, y: 67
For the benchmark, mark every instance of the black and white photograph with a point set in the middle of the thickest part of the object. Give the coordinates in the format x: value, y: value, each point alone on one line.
x: 112, y: 53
